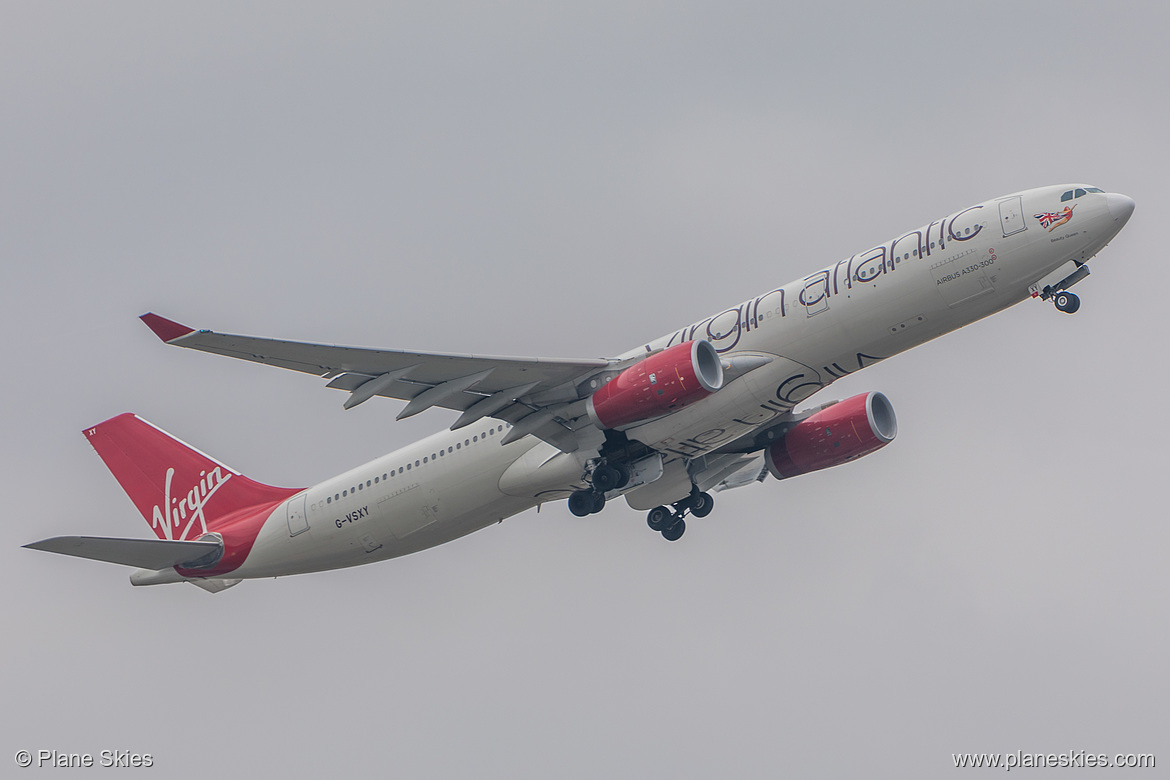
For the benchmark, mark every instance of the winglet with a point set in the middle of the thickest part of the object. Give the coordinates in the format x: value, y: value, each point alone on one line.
x: 163, y: 328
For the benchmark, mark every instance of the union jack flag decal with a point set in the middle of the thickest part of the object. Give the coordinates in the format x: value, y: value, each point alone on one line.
x: 1053, y: 221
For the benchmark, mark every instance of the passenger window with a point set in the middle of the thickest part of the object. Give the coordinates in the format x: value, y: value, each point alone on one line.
x: 345, y: 493
x: 408, y: 467
x: 359, y: 486
x: 328, y: 499
x: 424, y: 460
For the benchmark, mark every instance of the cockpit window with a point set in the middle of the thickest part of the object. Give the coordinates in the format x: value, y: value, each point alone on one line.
x: 1094, y: 189
x: 1078, y: 192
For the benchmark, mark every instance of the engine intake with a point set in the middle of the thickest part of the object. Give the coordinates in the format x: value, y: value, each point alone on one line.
x: 668, y: 380
x: 843, y: 432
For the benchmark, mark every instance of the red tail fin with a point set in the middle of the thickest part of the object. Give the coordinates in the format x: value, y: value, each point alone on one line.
x: 181, y: 492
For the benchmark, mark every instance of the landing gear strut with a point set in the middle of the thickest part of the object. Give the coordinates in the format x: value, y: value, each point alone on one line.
x: 1066, y: 302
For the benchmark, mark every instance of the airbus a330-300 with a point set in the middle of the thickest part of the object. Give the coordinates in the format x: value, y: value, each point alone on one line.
x: 707, y: 407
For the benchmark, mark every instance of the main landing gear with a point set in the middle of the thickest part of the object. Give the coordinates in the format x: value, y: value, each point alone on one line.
x: 1066, y: 302
x: 606, y: 477
x: 586, y: 502
x: 669, y: 522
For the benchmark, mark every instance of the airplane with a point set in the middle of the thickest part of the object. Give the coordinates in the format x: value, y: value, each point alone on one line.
x: 707, y: 407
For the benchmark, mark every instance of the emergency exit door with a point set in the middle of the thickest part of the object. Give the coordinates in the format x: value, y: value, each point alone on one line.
x: 297, y: 520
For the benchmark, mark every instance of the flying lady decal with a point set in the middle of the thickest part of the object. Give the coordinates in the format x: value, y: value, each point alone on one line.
x: 1053, y: 221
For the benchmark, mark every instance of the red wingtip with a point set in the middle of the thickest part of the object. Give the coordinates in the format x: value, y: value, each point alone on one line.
x: 163, y: 328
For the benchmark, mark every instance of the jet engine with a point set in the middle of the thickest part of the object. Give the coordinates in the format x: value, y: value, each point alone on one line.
x: 837, y: 434
x: 659, y: 384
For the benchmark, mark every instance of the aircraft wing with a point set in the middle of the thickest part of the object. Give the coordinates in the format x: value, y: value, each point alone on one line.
x: 539, y: 396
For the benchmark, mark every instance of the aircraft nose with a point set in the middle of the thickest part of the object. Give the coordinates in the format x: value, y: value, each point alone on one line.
x: 1120, y: 206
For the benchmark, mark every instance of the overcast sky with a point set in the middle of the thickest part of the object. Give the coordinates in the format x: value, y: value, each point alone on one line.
x: 556, y: 180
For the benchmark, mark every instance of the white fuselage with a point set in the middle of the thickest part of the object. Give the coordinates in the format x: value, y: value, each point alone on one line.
x: 834, y: 322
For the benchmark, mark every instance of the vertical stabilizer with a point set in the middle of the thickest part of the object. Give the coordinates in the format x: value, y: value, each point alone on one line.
x: 180, y: 492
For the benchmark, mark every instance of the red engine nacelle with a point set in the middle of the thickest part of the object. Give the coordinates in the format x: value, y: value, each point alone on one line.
x: 669, y: 380
x: 843, y: 432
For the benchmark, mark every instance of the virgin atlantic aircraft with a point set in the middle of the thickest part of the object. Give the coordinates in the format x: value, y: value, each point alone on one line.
x: 707, y: 407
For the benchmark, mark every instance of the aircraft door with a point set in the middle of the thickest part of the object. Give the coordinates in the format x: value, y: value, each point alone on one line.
x: 1011, y: 216
x: 298, y: 521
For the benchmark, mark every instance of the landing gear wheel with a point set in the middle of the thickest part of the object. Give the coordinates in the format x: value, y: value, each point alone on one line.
x: 675, y: 531
x: 1066, y: 302
x: 659, y: 518
x: 702, y: 504
x: 598, y: 502
x: 624, y: 475
x: 606, y: 478
x: 581, y: 502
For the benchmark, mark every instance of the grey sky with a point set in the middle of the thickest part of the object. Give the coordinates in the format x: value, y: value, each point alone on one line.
x: 541, y: 180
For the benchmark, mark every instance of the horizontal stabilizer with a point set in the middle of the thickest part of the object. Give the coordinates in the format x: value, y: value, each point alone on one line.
x: 143, y: 553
